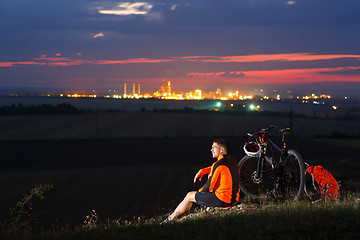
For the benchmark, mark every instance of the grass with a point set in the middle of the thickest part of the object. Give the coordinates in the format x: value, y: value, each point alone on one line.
x: 252, y: 219
x: 348, y: 142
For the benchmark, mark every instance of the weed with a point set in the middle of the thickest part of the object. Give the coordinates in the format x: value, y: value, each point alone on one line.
x: 91, y: 220
x: 20, y: 214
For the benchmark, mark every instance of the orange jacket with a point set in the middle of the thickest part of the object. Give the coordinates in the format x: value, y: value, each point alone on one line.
x: 224, y: 179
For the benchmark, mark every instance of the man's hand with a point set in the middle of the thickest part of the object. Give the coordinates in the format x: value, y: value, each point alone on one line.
x: 198, y: 175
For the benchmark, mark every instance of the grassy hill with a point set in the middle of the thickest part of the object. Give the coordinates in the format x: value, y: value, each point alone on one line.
x: 130, y: 177
x: 142, y: 164
x: 252, y: 219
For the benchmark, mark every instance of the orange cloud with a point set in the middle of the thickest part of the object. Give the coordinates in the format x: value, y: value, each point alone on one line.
x: 12, y: 64
x: 59, y: 61
x: 266, y: 76
x: 133, y: 60
x: 98, y: 35
x: 70, y: 63
x: 284, y: 75
x: 6, y: 64
x: 267, y: 57
x: 200, y: 59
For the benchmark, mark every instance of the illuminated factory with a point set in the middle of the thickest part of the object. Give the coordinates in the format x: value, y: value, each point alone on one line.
x: 135, y: 94
x: 166, y: 92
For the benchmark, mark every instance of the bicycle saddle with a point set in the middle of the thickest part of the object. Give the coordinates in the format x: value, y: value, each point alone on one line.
x: 285, y: 130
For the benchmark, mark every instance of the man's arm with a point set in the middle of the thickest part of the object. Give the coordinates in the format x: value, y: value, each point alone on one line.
x: 201, y: 173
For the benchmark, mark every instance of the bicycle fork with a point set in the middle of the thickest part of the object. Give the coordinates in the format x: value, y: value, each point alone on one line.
x: 257, y: 176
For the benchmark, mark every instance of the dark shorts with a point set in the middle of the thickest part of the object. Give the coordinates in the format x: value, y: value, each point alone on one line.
x: 209, y: 199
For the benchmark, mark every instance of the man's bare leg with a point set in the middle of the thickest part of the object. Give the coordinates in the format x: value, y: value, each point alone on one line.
x: 185, y: 205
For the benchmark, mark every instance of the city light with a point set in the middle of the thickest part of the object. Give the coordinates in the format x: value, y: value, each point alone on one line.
x: 314, y: 96
x: 166, y: 93
x: 197, y: 94
x: 254, y: 108
x: 75, y: 95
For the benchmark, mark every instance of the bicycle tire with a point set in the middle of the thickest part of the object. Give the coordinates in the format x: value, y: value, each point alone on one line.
x: 248, y: 184
x: 293, y: 176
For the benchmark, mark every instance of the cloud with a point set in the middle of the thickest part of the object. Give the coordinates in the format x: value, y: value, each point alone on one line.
x: 218, y: 74
x: 98, y: 35
x: 289, y: 57
x: 232, y: 74
x: 133, y: 60
x: 343, y: 71
x: 44, y: 60
x: 261, y: 66
x: 13, y: 64
x: 290, y: 2
x: 57, y: 61
x: 6, y: 64
x: 288, y: 76
x: 127, y: 8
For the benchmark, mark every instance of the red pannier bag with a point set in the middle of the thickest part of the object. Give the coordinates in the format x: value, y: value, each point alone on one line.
x: 328, y: 186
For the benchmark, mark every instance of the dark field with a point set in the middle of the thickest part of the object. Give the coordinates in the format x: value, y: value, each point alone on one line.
x: 110, y: 125
x: 138, y: 175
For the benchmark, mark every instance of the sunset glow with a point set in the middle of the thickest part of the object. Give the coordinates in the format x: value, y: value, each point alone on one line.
x: 195, y: 44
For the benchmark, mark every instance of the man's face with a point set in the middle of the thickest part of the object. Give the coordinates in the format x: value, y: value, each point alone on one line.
x: 216, y: 150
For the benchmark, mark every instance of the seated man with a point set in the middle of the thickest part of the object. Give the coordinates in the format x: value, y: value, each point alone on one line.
x: 222, y: 187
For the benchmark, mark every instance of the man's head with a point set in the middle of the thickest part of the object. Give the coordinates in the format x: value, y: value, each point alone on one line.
x: 219, y: 147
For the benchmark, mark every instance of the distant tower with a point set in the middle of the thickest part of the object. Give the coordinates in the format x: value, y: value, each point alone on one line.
x: 139, y: 89
x: 134, y: 89
x: 168, y: 88
x: 163, y: 87
x: 124, y: 89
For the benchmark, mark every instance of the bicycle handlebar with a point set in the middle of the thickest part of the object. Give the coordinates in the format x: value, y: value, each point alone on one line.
x: 264, y: 130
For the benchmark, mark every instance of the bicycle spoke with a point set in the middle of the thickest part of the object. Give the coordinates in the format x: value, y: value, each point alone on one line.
x: 252, y: 183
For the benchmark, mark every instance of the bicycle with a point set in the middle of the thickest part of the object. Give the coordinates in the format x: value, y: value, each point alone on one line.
x: 262, y: 173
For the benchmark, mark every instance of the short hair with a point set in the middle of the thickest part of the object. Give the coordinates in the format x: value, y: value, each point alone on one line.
x: 223, y: 143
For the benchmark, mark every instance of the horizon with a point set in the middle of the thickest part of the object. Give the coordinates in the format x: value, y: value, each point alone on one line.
x: 336, y: 89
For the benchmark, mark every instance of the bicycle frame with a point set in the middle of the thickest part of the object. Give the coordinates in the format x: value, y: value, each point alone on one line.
x: 267, y: 146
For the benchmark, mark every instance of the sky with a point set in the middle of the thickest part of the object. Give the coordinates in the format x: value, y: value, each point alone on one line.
x: 207, y: 44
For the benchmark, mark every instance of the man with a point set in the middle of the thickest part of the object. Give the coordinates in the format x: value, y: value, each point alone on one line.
x: 222, y: 187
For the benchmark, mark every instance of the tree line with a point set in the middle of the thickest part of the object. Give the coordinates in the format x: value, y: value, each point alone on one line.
x: 44, y: 109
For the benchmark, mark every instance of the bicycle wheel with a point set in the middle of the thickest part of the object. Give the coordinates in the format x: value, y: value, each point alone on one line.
x: 250, y: 184
x: 292, y: 178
